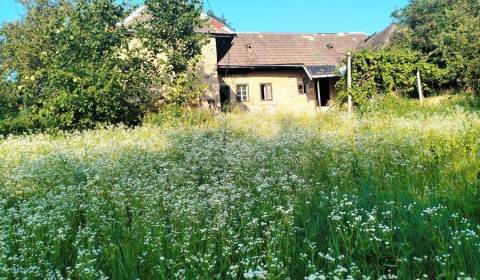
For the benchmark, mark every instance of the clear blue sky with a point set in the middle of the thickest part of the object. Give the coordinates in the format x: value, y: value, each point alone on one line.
x: 286, y: 15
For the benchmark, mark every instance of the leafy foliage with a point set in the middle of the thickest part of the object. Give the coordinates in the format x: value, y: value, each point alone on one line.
x: 171, y: 33
x: 447, y: 33
x: 382, y: 74
x: 7, y: 100
x: 73, y: 65
x: 68, y: 70
x: 173, y: 115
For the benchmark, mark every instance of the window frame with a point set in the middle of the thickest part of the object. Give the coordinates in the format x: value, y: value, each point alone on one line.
x: 302, y: 88
x: 240, y: 95
x: 264, y: 85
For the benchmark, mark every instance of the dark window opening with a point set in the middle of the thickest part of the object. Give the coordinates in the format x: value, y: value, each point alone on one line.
x: 266, y: 92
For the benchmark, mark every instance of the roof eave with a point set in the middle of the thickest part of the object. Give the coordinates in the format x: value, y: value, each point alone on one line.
x: 219, y: 34
x: 325, y: 76
x: 302, y: 66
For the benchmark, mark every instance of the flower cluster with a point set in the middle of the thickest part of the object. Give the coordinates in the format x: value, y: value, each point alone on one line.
x: 334, y: 198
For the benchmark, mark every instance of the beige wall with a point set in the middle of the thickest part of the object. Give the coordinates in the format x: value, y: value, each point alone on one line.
x: 208, y: 72
x: 286, y: 96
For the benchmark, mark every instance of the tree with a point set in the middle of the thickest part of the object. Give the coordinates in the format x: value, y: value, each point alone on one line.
x: 65, y: 58
x: 447, y: 33
x: 173, y: 43
x: 171, y: 33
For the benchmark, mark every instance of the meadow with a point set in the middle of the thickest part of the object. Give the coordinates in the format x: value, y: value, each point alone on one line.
x: 383, y: 195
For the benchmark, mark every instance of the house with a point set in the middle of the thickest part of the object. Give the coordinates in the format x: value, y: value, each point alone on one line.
x: 270, y: 72
x: 288, y: 72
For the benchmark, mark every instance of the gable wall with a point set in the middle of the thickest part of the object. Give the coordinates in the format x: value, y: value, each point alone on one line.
x: 208, y: 72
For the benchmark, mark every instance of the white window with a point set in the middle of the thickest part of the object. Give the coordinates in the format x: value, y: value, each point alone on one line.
x: 266, y: 92
x: 242, y: 93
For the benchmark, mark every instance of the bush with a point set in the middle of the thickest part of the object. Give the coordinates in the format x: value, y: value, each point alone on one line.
x: 174, y: 115
x: 444, y: 104
x: 8, y: 102
x: 379, y: 75
x: 21, y: 123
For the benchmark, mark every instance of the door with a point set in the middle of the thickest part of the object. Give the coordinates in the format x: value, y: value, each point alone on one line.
x: 325, y: 92
x: 225, y: 92
x: 322, y: 88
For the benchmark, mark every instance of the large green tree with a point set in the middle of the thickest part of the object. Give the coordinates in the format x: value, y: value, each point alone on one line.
x: 447, y: 33
x: 72, y: 65
x: 171, y: 35
x: 64, y: 59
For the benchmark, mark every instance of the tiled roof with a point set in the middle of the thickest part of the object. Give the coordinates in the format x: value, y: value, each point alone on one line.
x: 309, y: 50
x: 380, y: 41
x: 212, y: 26
x: 323, y: 70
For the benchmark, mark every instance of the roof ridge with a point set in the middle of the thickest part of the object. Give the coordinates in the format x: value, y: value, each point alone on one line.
x: 303, y: 33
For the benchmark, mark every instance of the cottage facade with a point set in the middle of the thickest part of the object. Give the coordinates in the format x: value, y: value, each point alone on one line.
x: 288, y: 72
x: 271, y: 72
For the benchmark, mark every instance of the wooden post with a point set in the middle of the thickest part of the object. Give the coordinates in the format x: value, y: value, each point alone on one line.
x: 419, y: 86
x: 319, y: 96
x: 349, y: 81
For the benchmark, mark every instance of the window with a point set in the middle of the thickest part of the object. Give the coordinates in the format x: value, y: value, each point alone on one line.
x: 242, y: 93
x: 266, y: 92
x: 302, y: 88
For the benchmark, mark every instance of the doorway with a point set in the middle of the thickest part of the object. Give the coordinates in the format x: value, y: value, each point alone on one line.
x: 322, y: 89
x: 225, y: 92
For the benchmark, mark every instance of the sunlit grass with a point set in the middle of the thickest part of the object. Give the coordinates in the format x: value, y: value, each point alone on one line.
x: 378, y: 196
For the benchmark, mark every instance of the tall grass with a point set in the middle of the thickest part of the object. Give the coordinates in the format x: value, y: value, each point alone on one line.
x: 247, y: 197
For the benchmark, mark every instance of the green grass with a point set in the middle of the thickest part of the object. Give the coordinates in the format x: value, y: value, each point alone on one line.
x: 384, y: 195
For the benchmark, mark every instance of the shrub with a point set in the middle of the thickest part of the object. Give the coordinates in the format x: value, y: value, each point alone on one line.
x: 382, y: 74
x: 8, y: 100
x: 173, y: 115
x: 21, y: 123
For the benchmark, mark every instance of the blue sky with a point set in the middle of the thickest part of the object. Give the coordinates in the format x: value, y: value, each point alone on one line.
x: 286, y: 15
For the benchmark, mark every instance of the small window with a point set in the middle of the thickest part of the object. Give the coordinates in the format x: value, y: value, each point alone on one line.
x: 302, y: 88
x: 266, y: 92
x: 242, y: 93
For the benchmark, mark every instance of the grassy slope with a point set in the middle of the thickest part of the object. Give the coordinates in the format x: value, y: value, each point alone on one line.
x: 388, y: 194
